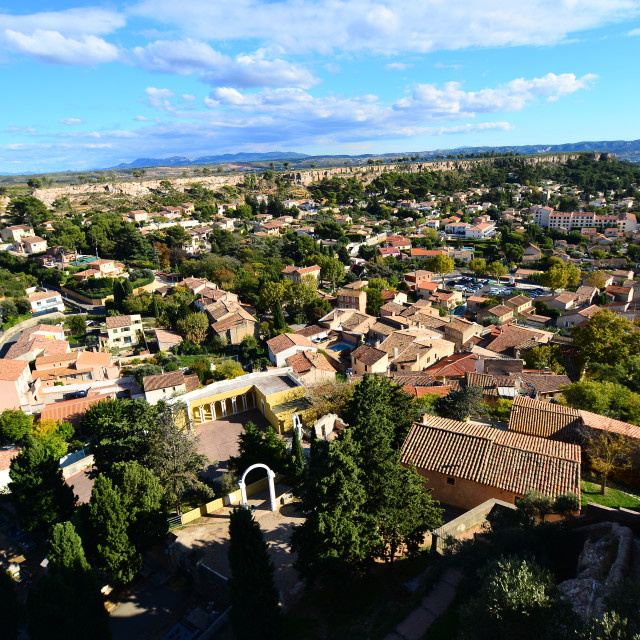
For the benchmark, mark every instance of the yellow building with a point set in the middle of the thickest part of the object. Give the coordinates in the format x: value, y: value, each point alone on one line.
x: 277, y: 394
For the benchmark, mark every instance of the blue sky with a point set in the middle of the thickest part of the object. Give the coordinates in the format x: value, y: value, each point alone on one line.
x: 95, y: 85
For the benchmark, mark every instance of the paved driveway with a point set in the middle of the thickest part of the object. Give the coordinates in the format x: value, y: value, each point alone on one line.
x: 219, y: 438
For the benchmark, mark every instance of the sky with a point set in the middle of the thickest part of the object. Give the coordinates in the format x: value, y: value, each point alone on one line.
x: 91, y: 86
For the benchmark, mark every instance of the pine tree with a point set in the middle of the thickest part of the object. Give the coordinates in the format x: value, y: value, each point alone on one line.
x: 52, y: 603
x: 337, y: 537
x: 38, y: 491
x: 279, y: 323
x: 255, y: 611
x: 108, y: 521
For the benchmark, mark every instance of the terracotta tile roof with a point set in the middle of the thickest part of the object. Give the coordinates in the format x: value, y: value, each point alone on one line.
x: 6, y: 456
x: 368, y: 355
x: 434, y: 390
x: 500, y: 310
x: 456, y: 365
x: 413, y: 378
x: 228, y: 322
x: 191, y: 382
x: 507, y: 461
x: 65, y: 357
x: 116, y: 322
x: 163, y: 335
x: 94, y: 359
x: 287, y: 340
x: 519, y: 300
x: 544, y: 420
x: 42, y: 295
x: 72, y: 410
x: 602, y: 423
x: 510, y: 337
x: 307, y: 361
x: 311, y: 330
x: 545, y: 382
x: 163, y: 380
x: 392, y: 307
x: 11, y: 370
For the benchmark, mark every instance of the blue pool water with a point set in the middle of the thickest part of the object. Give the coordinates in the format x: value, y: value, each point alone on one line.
x: 339, y: 346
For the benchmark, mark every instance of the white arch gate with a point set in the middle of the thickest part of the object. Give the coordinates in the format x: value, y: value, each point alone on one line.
x: 297, y: 424
x: 272, y: 489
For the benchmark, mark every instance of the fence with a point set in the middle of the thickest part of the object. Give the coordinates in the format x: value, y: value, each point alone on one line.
x: 218, y: 503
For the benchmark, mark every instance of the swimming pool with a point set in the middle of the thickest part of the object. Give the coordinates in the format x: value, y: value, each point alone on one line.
x: 340, y: 346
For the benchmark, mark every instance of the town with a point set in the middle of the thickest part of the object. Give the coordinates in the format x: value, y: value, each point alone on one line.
x: 233, y: 400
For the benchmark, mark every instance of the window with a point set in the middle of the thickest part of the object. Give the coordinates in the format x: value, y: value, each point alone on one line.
x: 451, y: 481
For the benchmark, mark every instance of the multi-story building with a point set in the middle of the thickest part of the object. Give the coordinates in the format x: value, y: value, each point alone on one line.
x: 45, y: 302
x: 122, y: 331
x: 17, y: 387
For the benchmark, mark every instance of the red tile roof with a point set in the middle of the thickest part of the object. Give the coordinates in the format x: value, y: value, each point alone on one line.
x: 287, y: 340
x: 544, y: 419
x: 507, y: 461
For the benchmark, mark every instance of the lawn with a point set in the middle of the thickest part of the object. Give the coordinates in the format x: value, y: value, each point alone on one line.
x: 612, y: 498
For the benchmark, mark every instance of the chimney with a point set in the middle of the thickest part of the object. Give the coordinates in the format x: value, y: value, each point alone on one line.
x: 395, y: 352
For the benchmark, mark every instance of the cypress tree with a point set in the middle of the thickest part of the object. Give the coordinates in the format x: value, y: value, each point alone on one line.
x: 109, y: 523
x: 279, y: 323
x: 255, y: 612
x: 297, y: 461
x: 156, y: 310
x: 38, y: 491
x: 52, y: 603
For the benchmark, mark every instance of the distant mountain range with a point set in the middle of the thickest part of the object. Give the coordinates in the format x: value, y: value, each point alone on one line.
x: 182, y: 161
x: 624, y: 149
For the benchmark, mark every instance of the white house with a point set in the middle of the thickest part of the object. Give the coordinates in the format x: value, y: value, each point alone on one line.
x: 45, y: 302
x: 288, y: 344
x: 482, y: 230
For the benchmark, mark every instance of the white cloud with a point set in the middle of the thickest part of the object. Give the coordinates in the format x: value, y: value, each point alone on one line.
x: 385, y: 26
x: 186, y: 57
x: 71, y: 121
x: 452, y: 101
x: 141, y: 118
x: 160, y: 99
x: 70, y: 22
x: 53, y: 47
x: 634, y: 32
x: 397, y: 66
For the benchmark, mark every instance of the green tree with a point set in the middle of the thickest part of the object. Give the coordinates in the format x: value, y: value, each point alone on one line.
x: 374, y: 301
x: 478, y: 266
x: 53, y: 602
x: 194, y: 327
x: 175, y: 459
x: 515, y: 600
x: 11, y: 608
x: 546, y: 356
x: 338, y: 536
x: 609, y: 453
x: 279, y: 323
x: 248, y: 347
x: 496, y: 269
x: 297, y: 461
x: 605, y: 398
x: 255, y: 610
x: 142, y: 498
x: 331, y: 270
x: 459, y: 405
x: 607, y: 338
x: 39, y: 493
x: 441, y: 264
x: 27, y: 210
x: 228, y: 370
x: 256, y: 445
x: 78, y: 325
x: 15, y: 425
x: 108, y: 522
x: 121, y: 431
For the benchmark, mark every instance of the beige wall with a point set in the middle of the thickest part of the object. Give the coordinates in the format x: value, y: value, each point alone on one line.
x: 360, y: 368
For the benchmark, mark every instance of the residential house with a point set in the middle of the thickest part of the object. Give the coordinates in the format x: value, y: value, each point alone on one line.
x: 351, y: 299
x: 139, y: 215
x: 502, y: 312
x: 389, y: 252
x: 367, y: 359
x: 123, y: 331
x: 295, y: 274
x: 460, y: 331
x: 513, y: 340
x: 167, y: 339
x: 74, y: 368
x: 16, y: 232
x: 449, y: 300
x: 288, y: 344
x: 531, y: 253
x: 314, y: 332
x: 425, y: 290
x: 564, y: 301
x: 481, y: 231
x: 312, y: 368
x: 474, y: 303
x: 415, y: 349
x: 619, y: 294
x: 167, y: 385
x: 17, y: 387
x: 467, y: 463
x: 45, y: 302
x: 43, y: 339
x: 415, y: 278
x: 576, y: 317
x: 232, y: 322
x: 519, y: 303
x: 30, y: 245
x: 620, y: 275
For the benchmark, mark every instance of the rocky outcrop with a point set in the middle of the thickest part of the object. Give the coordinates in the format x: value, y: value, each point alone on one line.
x: 303, y: 177
x: 604, y: 562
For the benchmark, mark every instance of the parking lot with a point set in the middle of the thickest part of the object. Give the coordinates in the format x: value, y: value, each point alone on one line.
x: 471, y: 286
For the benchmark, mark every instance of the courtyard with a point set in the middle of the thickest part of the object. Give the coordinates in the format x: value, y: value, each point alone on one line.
x: 219, y: 439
